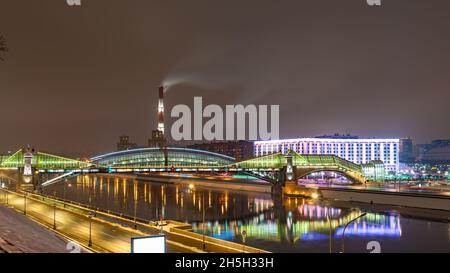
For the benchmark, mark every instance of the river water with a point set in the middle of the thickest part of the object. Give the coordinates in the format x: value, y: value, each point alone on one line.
x: 289, y: 225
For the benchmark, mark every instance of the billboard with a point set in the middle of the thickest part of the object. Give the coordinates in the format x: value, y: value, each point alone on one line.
x: 149, y: 244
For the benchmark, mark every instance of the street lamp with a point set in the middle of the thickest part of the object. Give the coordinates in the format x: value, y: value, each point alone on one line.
x: 343, y: 232
x: 64, y: 191
x: 90, y: 215
x: 54, y: 210
x: 135, y: 224
x: 329, y: 222
x: 203, y: 220
x: 135, y: 209
x: 244, y: 236
x: 25, y: 203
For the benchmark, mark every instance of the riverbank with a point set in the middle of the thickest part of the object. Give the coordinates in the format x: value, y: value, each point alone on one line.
x: 217, y: 182
x: 407, y: 212
x: 428, y: 201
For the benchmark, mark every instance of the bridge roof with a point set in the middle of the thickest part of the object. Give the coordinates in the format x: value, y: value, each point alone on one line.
x: 278, y: 160
x: 133, y: 151
x: 154, y: 157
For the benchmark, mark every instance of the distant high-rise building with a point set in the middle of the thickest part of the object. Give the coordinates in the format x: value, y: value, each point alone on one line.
x: 406, y: 154
x: 240, y: 150
x: 124, y: 144
x: 157, y: 139
x: 437, y: 152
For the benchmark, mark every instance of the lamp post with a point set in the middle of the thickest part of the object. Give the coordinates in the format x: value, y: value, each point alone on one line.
x: 203, y: 220
x: 244, y: 236
x: 54, y: 210
x: 329, y: 222
x: 343, y: 232
x: 25, y: 203
x: 135, y: 209
x: 64, y: 191
x: 90, y: 215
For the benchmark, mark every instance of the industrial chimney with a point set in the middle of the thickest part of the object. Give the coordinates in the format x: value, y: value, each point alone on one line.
x: 161, y: 110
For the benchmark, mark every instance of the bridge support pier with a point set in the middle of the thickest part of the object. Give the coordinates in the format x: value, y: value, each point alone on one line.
x: 277, y: 189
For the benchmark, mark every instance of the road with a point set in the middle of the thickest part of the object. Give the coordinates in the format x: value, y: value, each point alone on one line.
x: 106, y: 237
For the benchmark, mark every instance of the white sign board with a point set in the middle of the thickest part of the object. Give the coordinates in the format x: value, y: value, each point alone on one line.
x: 149, y: 244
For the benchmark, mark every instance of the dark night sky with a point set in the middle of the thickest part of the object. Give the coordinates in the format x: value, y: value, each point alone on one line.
x: 78, y: 77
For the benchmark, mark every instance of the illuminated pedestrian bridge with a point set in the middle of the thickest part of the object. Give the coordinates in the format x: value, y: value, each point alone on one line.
x: 155, y: 158
x: 274, y: 168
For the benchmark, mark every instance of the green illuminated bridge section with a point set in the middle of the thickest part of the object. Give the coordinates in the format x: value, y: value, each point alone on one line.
x: 278, y: 160
x: 304, y: 165
x: 41, y: 161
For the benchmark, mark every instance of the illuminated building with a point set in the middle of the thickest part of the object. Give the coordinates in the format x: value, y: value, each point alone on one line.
x: 353, y: 149
x: 374, y: 170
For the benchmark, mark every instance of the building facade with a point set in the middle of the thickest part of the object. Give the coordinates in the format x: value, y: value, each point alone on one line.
x: 157, y: 140
x: 125, y: 144
x: 356, y: 150
x: 374, y: 170
x: 407, y: 150
x: 239, y: 150
x: 437, y: 152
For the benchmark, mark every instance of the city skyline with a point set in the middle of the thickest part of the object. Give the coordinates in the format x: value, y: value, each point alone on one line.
x: 209, y: 130
x: 75, y: 81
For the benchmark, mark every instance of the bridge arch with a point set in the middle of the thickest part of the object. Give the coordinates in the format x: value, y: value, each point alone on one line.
x: 303, y: 165
x: 353, y: 178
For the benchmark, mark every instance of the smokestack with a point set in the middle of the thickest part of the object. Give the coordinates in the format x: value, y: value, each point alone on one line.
x: 161, y: 110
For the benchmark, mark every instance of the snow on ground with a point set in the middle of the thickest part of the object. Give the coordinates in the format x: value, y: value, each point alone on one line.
x: 21, y: 234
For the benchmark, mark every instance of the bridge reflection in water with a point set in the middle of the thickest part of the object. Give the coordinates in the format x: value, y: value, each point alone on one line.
x: 305, y: 222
